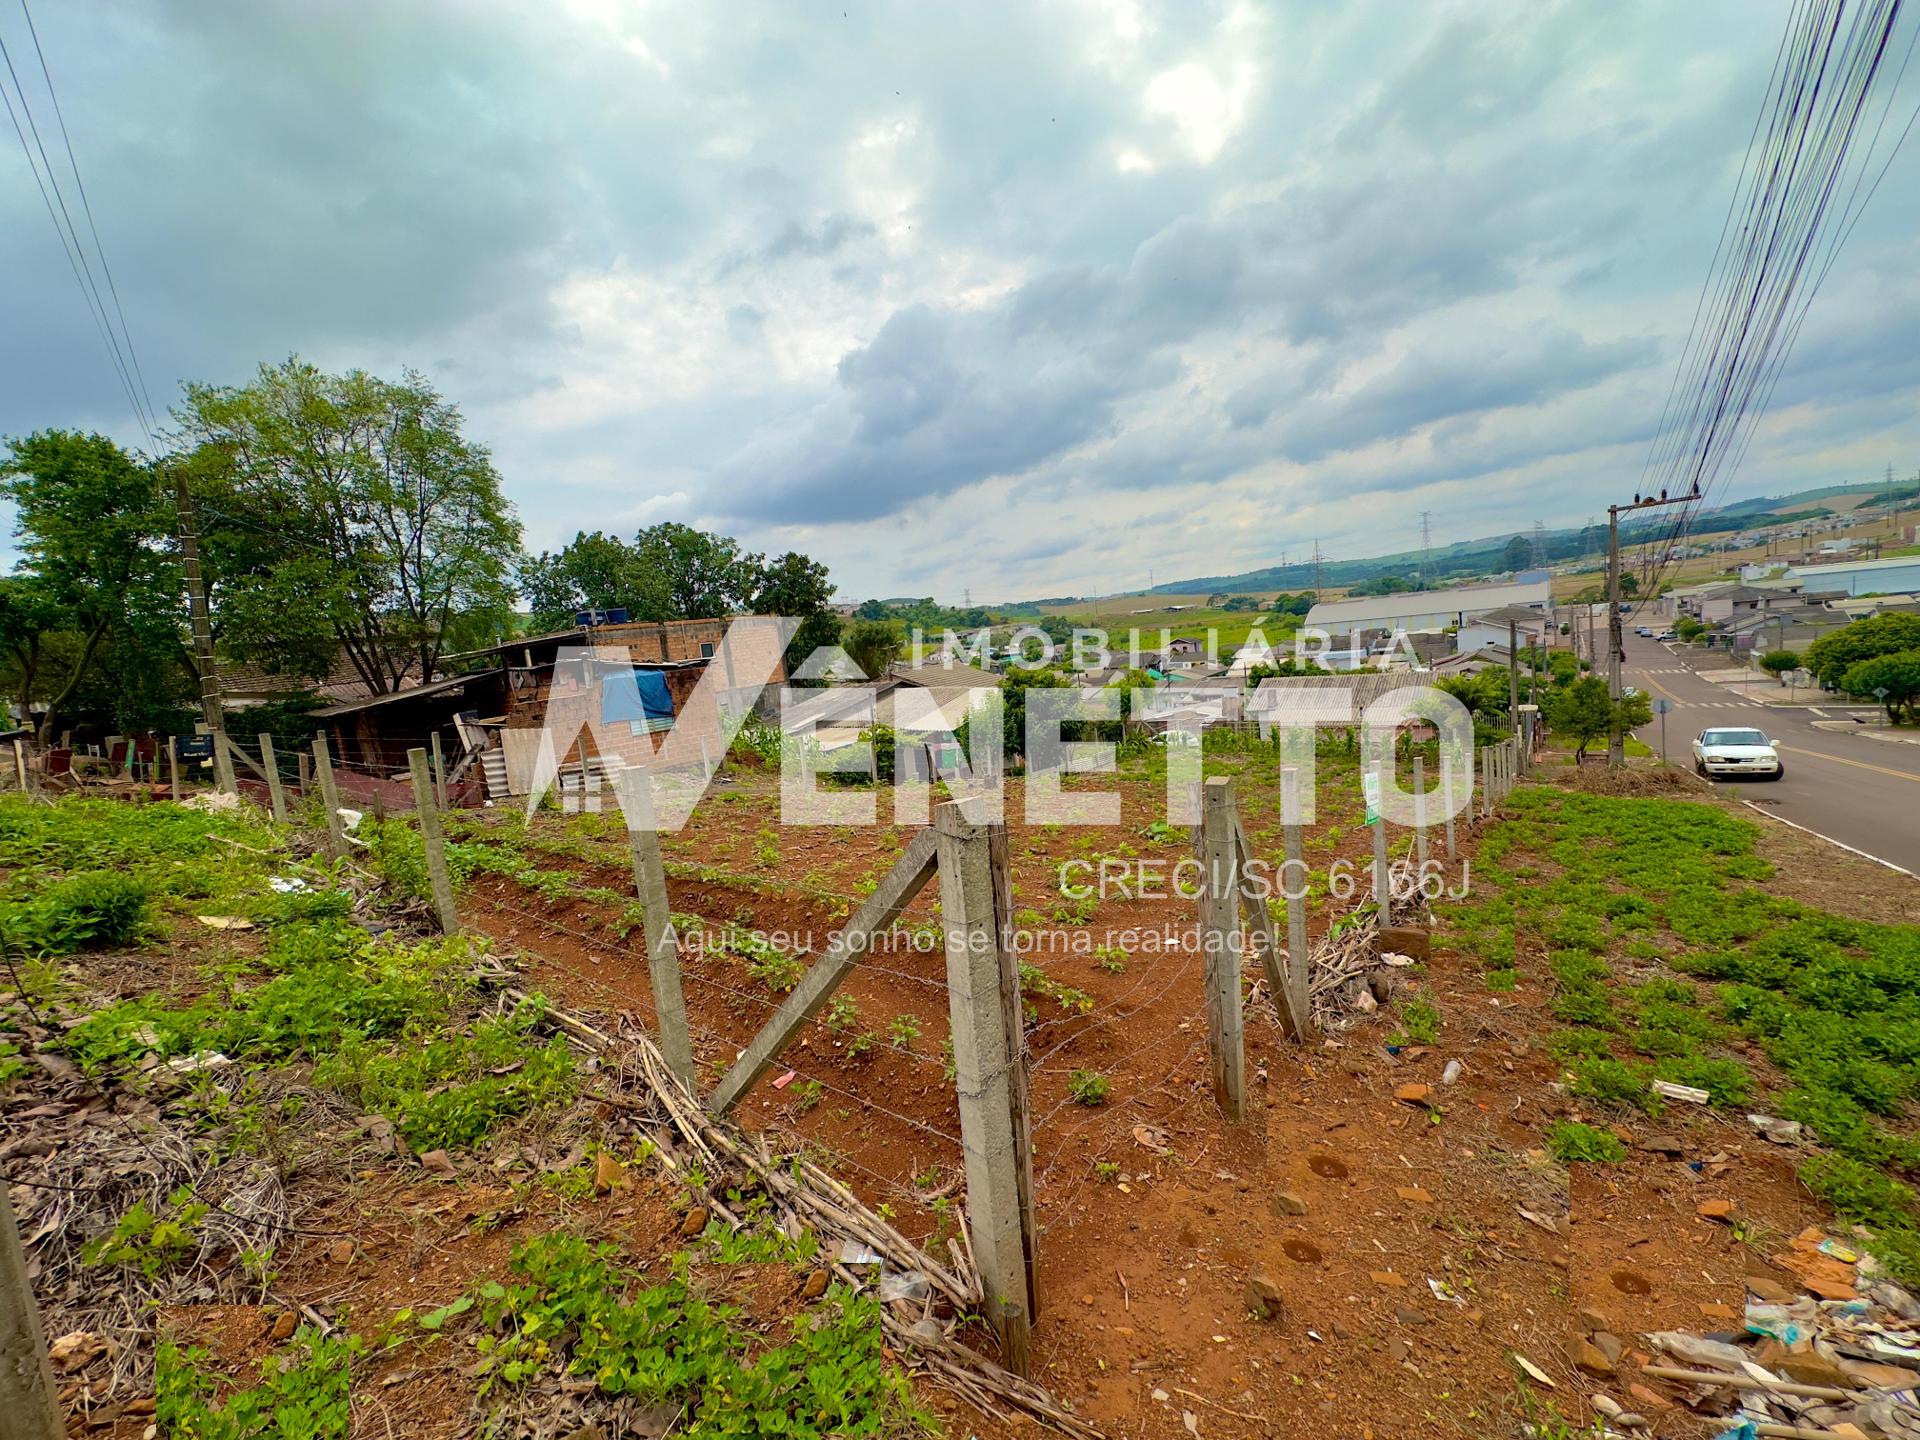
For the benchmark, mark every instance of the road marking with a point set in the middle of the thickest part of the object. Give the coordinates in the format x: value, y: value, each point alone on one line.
x: 1809, y: 830
x: 1842, y: 760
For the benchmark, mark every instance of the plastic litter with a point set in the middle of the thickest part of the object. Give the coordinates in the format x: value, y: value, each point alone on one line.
x: 904, y: 1285
x: 1779, y: 1321
x: 1688, y: 1093
x: 852, y: 1252
x: 1452, y: 1072
x: 289, y: 885
x: 1697, y: 1349
x: 1780, y: 1132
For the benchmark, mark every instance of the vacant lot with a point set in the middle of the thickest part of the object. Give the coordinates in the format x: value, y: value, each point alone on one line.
x: 383, y: 1183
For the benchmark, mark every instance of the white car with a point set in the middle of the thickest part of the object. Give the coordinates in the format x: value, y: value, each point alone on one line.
x: 1737, y: 752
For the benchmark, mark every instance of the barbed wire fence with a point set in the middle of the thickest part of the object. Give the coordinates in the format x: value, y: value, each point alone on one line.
x: 822, y: 1055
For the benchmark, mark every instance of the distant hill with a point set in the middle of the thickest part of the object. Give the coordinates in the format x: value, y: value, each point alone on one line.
x: 1488, y: 555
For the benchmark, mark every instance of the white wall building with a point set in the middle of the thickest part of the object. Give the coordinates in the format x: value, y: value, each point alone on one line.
x: 1862, y: 577
x: 1426, y: 609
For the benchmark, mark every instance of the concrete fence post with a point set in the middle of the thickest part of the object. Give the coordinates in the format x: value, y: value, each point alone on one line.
x: 329, y: 797
x: 1420, y: 816
x: 436, y: 844
x: 663, y: 944
x: 276, y: 792
x: 439, y: 772
x: 28, y: 1400
x: 1382, y: 881
x: 989, y: 1061
x: 1295, y: 872
x: 1219, y: 928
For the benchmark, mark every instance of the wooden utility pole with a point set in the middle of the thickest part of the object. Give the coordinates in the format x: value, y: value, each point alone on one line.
x: 200, y: 620
x: 1513, y: 672
x: 1219, y: 921
x: 329, y: 797
x: 29, y: 1409
x: 173, y: 765
x: 989, y: 1053
x: 275, y: 791
x: 435, y: 842
x: 663, y: 945
x: 1616, y: 630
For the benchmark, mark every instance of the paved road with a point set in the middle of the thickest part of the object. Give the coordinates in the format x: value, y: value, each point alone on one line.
x: 1863, y: 792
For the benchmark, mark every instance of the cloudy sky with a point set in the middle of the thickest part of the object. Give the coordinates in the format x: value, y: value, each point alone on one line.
x: 1018, y: 300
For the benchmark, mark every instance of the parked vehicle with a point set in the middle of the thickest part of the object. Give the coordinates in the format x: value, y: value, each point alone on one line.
x: 1666, y: 635
x: 1743, y: 751
x: 1643, y: 630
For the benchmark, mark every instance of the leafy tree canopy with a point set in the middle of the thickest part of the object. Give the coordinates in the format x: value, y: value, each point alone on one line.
x: 346, y: 513
x: 96, y: 568
x: 1833, y: 655
x: 1898, y: 674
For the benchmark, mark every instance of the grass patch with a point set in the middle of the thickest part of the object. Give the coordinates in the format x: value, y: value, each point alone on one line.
x: 1570, y: 1142
x: 1602, y: 882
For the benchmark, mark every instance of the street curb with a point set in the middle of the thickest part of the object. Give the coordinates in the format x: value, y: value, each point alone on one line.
x: 1762, y: 810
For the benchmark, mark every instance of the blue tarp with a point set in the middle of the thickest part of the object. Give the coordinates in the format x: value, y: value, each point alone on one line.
x: 636, y: 695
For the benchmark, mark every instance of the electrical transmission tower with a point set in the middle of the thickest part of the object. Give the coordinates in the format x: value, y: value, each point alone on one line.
x: 1539, y: 545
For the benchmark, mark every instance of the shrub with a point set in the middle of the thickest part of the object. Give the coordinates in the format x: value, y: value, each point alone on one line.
x: 451, y: 1090
x: 1569, y: 1142
x: 1419, y: 1022
x: 1089, y: 1087
x: 1620, y: 1082
x: 303, y: 1392
x: 90, y: 910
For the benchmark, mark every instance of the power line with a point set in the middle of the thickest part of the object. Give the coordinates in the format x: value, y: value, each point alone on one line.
x: 70, y: 242
x: 86, y: 207
x: 1777, y: 246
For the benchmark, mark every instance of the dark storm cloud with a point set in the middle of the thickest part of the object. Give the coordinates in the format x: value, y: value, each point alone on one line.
x: 834, y: 276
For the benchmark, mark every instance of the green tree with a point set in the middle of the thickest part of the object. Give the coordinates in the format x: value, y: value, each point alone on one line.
x: 93, y: 527
x: 1013, y: 690
x: 1833, y: 655
x: 346, y: 513
x: 798, y: 588
x: 873, y: 645
x: 594, y: 572
x: 1583, y: 711
x: 1898, y: 674
x: 1517, y: 553
x: 1687, y: 628
x: 707, y: 575
x: 668, y: 571
x: 1779, y: 662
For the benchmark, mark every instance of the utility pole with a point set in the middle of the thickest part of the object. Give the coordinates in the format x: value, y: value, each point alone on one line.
x: 1616, y: 630
x: 212, y: 707
x: 1426, y: 549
